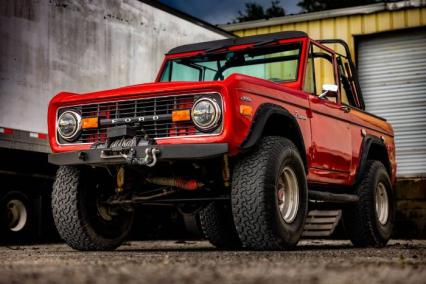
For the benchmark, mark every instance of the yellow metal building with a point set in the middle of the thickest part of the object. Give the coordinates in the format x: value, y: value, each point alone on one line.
x: 388, y: 44
x: 345, y: 24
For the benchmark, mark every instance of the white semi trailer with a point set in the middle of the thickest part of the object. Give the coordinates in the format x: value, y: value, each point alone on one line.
x: 78, y: 46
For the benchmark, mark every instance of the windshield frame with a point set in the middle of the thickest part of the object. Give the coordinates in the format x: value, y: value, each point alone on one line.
x: 294, y: 83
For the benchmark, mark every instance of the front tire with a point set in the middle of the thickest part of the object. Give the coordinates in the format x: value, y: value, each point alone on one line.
x: 370, y: 221
x: 269, y: 196
x: 80, y: 220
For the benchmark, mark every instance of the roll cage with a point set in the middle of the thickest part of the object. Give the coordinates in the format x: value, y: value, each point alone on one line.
x: 346, y: 73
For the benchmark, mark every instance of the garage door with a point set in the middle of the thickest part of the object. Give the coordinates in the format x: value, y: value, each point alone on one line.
x: 392, y: 70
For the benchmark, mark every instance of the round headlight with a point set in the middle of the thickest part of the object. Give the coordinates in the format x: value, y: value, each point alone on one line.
x: 69, y: 125
x: 206, y: 114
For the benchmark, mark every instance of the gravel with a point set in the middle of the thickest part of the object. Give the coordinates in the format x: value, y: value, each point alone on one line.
x: 314, y: 261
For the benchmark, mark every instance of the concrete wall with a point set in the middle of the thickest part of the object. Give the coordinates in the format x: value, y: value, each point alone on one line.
x: 411, y: 208
x: 48, y: 46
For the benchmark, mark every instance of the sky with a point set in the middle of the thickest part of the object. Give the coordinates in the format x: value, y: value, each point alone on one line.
x: 223, y: 11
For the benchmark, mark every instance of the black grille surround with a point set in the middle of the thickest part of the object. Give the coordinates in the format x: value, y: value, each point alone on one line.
x: 150, y: 116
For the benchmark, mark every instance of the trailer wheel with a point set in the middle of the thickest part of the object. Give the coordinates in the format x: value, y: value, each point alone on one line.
x: 81, y: 220
x: 218, y: 227
x: 16, y: 217
x: 269, y: 196
x: 370, y: 221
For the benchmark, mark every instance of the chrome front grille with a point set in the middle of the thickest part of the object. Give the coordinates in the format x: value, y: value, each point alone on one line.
x: 149, y: 107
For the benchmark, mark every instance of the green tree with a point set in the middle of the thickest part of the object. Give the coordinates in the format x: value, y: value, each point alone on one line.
x: 275, y: 10
x: 321, y: 5
x: 253, y: 11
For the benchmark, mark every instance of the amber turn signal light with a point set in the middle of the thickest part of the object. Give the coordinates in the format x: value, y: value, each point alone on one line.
x: 246, y: 110
x: 181, y: 115
x: 90, y: 122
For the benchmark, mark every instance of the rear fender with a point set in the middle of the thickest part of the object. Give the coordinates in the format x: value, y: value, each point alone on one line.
x: 372, y: 148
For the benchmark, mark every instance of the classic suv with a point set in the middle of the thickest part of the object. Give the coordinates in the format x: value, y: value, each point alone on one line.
x: 261, y: 139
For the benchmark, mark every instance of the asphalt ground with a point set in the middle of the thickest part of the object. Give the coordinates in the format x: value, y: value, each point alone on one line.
x: 314, y: 261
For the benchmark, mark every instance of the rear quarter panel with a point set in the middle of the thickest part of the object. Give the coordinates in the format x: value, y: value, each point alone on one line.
x: 370, y: 125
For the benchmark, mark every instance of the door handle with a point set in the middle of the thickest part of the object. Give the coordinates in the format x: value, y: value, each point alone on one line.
x: 345, y: 109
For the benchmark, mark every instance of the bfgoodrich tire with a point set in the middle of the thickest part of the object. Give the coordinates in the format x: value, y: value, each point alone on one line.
x: 269, y: 196
x: 218, y: 227
x: 81, y: 222
x: 370, y: 221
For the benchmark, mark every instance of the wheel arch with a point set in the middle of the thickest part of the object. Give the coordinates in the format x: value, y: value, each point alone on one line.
x: 273, y: 120
x: 372, y: 148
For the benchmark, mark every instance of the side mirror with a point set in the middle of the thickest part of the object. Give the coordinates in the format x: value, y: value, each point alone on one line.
x: 328, y: 88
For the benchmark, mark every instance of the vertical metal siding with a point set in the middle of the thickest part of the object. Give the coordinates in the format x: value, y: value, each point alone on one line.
x: 392, y: 71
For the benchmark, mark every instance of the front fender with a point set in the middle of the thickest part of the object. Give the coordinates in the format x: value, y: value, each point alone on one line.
x: 269, y: 113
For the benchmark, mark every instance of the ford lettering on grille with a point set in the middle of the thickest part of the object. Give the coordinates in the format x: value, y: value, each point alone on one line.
x: 130, y: 120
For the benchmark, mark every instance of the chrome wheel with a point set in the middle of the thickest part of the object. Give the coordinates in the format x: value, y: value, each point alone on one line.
x: 382, y: 203
x: 17, y: 215
x: 288, y: 194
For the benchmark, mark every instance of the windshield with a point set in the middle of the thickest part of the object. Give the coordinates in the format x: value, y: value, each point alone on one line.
x: 278, y: 64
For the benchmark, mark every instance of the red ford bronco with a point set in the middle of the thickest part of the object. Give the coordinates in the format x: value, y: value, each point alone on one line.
x: 262, y: 139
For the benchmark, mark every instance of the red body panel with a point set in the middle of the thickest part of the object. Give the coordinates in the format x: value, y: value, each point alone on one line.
x: 332, y: 137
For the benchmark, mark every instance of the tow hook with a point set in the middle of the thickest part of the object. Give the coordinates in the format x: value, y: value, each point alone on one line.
x: 149, y: 160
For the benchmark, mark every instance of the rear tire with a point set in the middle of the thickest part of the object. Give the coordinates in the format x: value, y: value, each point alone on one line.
x: 218, y: 227
x: 77, y: 214
x: 370, y: 221
x: 269, y: 196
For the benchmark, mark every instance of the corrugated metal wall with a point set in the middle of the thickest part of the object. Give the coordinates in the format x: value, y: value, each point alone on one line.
x: 347, y: 26
x: 392, y: 70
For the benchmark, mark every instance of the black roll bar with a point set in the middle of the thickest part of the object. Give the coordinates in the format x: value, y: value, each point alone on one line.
x: 354, y: 70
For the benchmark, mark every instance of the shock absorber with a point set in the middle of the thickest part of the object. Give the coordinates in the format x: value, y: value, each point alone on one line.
x: 190, y: 184
x: 226, y: 172
x: 120, y: 179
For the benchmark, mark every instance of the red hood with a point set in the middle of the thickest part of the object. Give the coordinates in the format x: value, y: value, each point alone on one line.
x: 164, y: 88
x: 147, y: 89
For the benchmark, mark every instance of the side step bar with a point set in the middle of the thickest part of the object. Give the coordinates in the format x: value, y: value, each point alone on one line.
x: 321, y: 223
x: 332, y: 197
